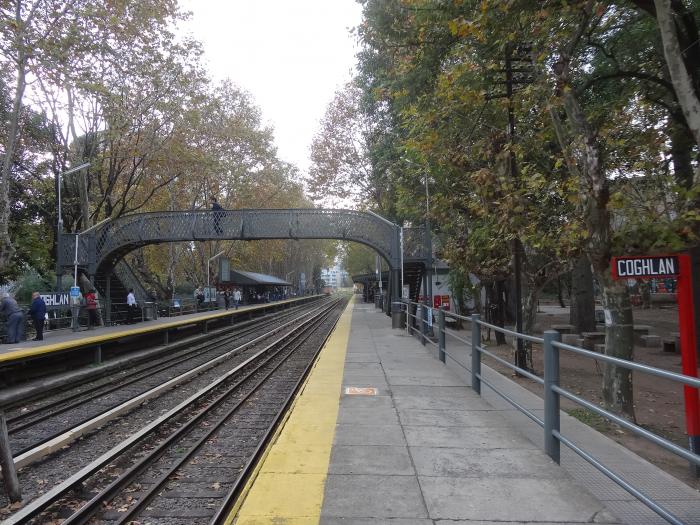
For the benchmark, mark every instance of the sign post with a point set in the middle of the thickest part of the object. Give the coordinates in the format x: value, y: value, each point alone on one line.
x: 648, y: 267
x: 75, y: 307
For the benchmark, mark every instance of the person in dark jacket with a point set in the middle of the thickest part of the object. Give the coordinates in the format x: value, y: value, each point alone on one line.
x: 218, y: 213
x: 37, y: 311
x: 15, y: 318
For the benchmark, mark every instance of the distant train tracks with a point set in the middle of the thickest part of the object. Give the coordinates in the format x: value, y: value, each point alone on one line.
x: 190, y: 463
x: 61, y: 419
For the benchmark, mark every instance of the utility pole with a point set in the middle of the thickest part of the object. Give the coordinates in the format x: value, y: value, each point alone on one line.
x: 59, y: 223
x: 516, y: 54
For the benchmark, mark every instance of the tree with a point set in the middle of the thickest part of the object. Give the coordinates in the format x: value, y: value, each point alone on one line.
x: 593, y: 107
x: 68, y: 47
x: 358, y: 259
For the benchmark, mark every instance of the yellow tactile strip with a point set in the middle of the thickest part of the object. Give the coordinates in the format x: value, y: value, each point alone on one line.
x: 13, y: 355
x: 288, y: 486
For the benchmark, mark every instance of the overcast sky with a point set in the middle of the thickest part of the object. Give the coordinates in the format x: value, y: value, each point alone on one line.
x: 290, y: 55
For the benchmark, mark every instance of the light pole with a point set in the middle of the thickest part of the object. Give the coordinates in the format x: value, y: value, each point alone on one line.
x: 59, y: 226
x: 428, y: 241
x: 208, y: 261
x: 428, y: 245
x: 287, y: 277
x: 402, y: 281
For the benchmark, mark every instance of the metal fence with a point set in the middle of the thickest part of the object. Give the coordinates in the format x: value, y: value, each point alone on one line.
x: 62, y: 319
x: 185, y: 307
x: 419, y: 321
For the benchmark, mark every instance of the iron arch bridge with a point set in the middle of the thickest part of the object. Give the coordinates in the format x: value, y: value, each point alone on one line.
x: 101, y: 247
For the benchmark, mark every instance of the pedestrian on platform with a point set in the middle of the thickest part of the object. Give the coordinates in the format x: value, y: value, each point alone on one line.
x: 37, y: 311
x: 130, y: 306
x: 15, y: 318
x: 218, y: 213
x: 227, y: 299
x: 237, y: 298
x: 91, y: 307
x: 199, y: 295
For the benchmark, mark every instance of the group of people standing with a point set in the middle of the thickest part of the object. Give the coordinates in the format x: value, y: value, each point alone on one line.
x: 15, y: 317
x: 227, y: 294
x: 235, y: 295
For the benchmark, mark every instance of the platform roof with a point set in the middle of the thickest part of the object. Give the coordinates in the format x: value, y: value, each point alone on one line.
x: 252, y: 279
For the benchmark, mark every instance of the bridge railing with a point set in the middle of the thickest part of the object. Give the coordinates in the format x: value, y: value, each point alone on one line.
x: 430, y: 325
x: 113, y: 237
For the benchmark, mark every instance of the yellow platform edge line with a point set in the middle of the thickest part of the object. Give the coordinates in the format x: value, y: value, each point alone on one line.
x: 279, y: 491
x: 104, y: 338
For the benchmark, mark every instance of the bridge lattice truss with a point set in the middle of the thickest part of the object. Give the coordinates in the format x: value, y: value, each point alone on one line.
x: 105, y: 244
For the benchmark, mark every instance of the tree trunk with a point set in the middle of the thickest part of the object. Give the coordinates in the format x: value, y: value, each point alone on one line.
x: 594, y: 196
x: 560, y: 293
x: 619, y: 342
x: 582, y: 313
x: 82, y: 174
x: 7, y: 250
x: 645, y: 294
x: 532, y: 295
x: 682, y: 82
x: 496, y: 308
x: 681, y: 154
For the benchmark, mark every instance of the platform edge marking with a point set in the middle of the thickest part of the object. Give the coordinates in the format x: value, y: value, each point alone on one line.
x: 255, y: 505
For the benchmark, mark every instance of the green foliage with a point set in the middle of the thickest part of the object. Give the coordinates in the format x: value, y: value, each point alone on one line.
x: 358, y: 259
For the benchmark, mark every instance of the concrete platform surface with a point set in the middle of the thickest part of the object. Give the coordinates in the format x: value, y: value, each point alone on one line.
x: 399, y: 438
x: 58, y: 340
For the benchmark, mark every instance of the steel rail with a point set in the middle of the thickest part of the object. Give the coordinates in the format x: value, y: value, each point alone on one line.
x: 512, y: 401
x: 640, y: 431
x: 44, y: 501
x: 297, y: 341
x: 221, y: 515
x: 661, y: 511
x: 176, y: 346
x: 514, y: 368
x: 203, y: 349
x: 74, y: 433
x: 631, y: 365
x: 114, y: 384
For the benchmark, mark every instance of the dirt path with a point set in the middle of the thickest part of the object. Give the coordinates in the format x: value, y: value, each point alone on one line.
x: 659, y: 403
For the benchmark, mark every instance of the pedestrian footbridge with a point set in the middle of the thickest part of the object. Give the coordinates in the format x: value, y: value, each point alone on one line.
x: 101, y: 248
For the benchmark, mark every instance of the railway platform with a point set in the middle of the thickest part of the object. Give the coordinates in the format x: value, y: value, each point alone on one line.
x: 66, y: 340
x: 384, y: 432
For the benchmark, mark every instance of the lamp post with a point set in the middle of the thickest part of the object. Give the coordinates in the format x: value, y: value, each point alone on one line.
x: 428, y: 241
x: 59, y: 226
x: 428, y: 245
x: 287, y: 277
x: 208, y: 261
x: 401, y: 242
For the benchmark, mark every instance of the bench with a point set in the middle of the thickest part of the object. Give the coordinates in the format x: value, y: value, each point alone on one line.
x: 640, y: 330
x: 590, y: 339
x: 564, y: 328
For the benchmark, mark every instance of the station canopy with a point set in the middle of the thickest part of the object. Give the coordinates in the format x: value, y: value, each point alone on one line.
x: 241, y: 278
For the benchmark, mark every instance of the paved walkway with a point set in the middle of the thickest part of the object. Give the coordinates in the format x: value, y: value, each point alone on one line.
x: 420, y: 448
x: 673, y: 494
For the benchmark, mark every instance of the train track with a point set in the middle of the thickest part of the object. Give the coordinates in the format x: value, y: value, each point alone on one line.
x: 191, y: 462
x: 31, y: 429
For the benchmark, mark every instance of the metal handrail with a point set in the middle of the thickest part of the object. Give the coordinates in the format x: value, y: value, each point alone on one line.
x: 553, y: 391
x: 529, y: 375
x: 631, y: 365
